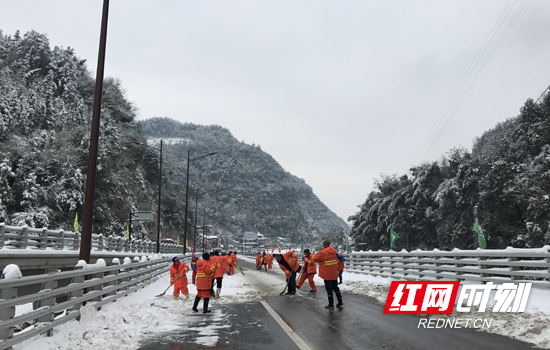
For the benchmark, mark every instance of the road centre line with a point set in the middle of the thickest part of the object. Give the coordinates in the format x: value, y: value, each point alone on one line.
x: 297, y: 340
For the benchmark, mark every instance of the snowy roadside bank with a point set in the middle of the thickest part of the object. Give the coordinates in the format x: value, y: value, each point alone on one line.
x: 532, y: 326
x: 122, y: 324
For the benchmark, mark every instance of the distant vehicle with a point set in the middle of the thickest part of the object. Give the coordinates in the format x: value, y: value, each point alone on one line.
x: 168, y: 240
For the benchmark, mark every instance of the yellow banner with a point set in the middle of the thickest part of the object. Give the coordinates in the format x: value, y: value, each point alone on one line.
x: 76, y: 223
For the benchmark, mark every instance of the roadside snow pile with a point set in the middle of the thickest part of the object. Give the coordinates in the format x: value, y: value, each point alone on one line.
x: 11, y: 271
x: 124, y: 323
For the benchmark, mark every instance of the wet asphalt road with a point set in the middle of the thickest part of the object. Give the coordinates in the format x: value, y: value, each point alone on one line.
x: 246, y: 326
x: 360, y: 325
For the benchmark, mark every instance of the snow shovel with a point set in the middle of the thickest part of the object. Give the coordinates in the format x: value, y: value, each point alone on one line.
x: 241, y: 270
x: 167, y: 288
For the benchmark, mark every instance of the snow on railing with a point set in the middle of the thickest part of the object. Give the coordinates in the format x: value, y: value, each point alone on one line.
x: 89, y: 284
x: 24, y: 237
x: 481, y: 265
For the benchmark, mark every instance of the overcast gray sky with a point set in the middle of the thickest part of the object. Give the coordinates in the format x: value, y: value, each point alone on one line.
x: 337, y: 92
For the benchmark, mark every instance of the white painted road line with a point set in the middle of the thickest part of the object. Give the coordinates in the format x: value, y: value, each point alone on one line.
x: 299, y: 342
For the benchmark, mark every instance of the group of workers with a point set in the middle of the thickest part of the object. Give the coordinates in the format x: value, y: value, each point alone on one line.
x: 209, y: 272
x: 331, y: 267
x: 264, y: 260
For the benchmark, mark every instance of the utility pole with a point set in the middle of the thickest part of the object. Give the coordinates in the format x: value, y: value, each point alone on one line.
x: 88, y: 217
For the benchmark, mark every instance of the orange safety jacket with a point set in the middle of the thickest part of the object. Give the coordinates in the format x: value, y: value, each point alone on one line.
x: 223, y: 262
x: 311, y: 266
x: 328, y: 263
x: 179, y: 271
x: 270, y: 262
x: 287, y: 273
x: 234, y: 259
x: 265, y: 259
x: 205, y: 271
x: 258, y: 259
x: 292, y: 260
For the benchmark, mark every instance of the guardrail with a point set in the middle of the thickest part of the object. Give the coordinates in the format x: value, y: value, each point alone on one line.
x: 24, y: 237
x: 53, y: 305
x: 511, y: 264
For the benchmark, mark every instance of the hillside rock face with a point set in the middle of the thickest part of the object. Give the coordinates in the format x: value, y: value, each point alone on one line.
x: 251, y: 191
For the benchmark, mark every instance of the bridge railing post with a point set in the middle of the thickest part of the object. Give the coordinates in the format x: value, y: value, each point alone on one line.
x: 2, y: 235
x: 119, y: 244
x: 513, y: 268
x: 100, y: 243
x: 79, y: 292
x: 59, y: 242
x: 114, y: 262
x: 97, y: 276
x: 77, y: 241
x: 7, y: 312
x: 43, y: 239
x: 24, y: 237
x: 50, y: 301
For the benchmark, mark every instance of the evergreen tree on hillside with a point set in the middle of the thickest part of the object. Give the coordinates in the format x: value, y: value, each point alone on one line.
x: 504, y: 182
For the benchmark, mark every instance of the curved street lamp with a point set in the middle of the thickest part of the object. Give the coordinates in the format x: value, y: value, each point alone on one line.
x: 196, y: 214
x: 187, y: 196
x: 160, y: 188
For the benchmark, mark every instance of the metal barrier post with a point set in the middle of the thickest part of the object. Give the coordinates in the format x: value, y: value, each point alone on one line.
x: 2, y: 234
x: 24, y: 238
x: 115, y: 262
x: 7, y: 313
x: 514, y: 268
x: 47, y: 286
x: 76, y: 242
x: 98, y: 275
x: 43, y: 239
x: 60, y: 244
x: 79, y: 292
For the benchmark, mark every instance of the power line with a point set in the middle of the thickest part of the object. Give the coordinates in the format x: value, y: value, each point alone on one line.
x: 458, y: 87
x: 484, y: 64
x: 471, y: 74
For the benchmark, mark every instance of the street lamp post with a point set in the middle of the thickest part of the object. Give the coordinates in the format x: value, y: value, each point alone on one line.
x: 196, y: 214
x: 160, y: 189
x: 88, y: 217
x: 187, y: 197
x: 204, y: 232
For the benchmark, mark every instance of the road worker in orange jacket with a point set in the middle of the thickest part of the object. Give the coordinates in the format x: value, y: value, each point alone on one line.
x: 328, y: 270
x: 270, y: 262
x: 205, y: 271
x: 265, y: 259
x: 223, y: 264
x: 310, y: 270
x: 232, y: 265
x: 288, y: 262
x: 258, y: 261
x: 178, y: 278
